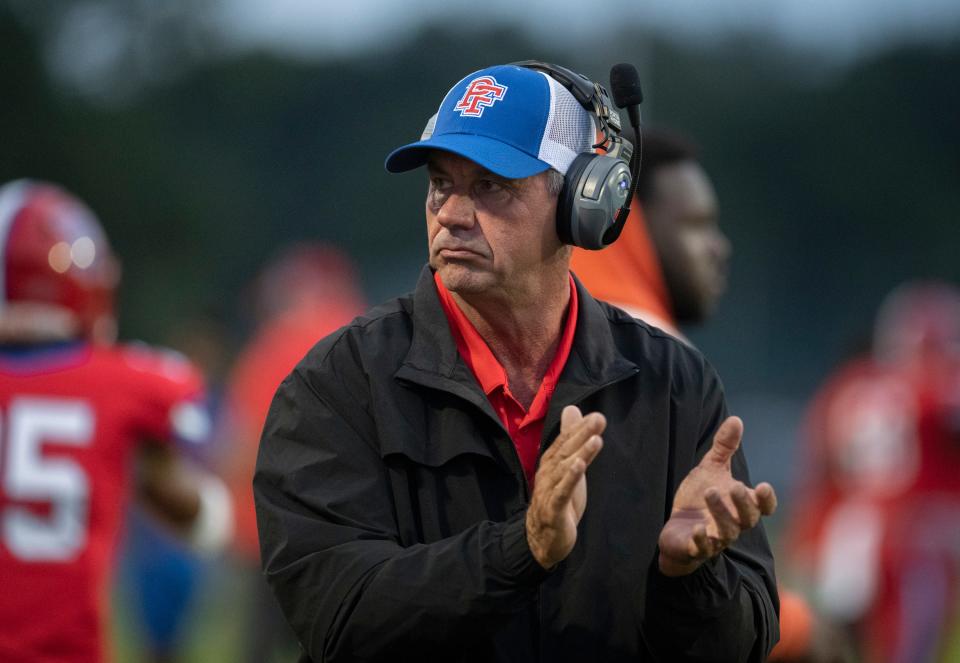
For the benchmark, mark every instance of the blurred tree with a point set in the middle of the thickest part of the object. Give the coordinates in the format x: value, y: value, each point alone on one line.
x: 109, y: 50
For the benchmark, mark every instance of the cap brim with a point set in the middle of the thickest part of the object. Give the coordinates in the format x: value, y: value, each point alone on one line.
x: 497, y: 157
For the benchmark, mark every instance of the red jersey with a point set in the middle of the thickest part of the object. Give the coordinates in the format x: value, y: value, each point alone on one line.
x: 876, y: 521
x: 883, y: 434
x: 71, y: 417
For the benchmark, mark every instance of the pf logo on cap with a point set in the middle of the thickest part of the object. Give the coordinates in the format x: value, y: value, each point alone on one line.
x: 481, y: 93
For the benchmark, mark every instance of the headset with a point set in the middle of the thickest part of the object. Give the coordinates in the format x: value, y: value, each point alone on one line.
x: 598, y: 187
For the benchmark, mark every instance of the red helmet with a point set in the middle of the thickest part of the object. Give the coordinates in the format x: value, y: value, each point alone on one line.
x: 59, y: 274
x: 919, y: 320
x: 303, y: 273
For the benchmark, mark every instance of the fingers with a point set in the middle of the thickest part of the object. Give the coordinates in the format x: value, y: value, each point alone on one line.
x: 562, y: 477
x: 728, y: 529
x: 726, y: 441
x: 575, y: 430
x: 590, y: 449
x: 572, y: 470
x: 748, y: 506
x: 572, y: 422
x: 748, y: 510
x: 766, y: 498
x: 564, y: 463
x: 569, y: 416
x: 563, y: 489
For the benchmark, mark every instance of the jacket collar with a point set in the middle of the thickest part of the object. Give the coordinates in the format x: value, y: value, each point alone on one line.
x: 595, y: 361
x: 433, y: 360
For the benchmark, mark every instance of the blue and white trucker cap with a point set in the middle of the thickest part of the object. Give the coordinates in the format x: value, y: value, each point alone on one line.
x: 513, y: 121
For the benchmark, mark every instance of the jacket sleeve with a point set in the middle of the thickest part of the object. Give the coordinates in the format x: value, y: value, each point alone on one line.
x: 330, y: 547
x: 727, y: 610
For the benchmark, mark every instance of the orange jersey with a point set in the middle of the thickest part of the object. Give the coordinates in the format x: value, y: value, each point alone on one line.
x: 71, y: 417
x: 260, y: 369
x: 628, y: 274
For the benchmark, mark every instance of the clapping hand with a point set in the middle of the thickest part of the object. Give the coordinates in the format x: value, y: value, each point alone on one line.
x: 560, y: 486
x: 711, y: 508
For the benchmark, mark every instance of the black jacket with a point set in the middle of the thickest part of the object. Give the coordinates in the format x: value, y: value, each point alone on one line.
x: 390, y: 502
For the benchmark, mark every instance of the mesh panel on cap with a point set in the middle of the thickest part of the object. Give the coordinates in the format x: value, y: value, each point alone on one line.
x: 428, y: 130
x: 570, y: 129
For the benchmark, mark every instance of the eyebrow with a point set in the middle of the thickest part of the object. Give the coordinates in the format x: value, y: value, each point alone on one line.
x: 433, y: 167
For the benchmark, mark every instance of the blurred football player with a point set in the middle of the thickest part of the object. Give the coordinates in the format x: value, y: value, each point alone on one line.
x: 876, y: 528
x: 163, y: 579
x: 669, y: 268
x: 84, y: 424
x: 306, y: 292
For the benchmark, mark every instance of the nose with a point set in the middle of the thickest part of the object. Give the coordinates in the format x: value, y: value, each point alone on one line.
x: 456, y: 211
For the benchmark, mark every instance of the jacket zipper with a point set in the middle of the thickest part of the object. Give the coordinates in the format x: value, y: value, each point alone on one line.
x: 580, y: 400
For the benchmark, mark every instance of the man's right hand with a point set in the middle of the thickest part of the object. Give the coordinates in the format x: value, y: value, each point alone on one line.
x: 560, y: 486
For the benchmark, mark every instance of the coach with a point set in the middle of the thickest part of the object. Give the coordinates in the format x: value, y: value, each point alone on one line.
x: 499, y: 467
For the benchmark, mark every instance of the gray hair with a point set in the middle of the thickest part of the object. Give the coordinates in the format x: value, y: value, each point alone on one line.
x: 555, y: 181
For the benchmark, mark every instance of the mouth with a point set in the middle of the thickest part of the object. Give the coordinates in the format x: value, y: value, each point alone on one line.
x: 457, y: 254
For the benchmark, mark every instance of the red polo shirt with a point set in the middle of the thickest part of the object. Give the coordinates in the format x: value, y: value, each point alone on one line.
x: 524, y: 426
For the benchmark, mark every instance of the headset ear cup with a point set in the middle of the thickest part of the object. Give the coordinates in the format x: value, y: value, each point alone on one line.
x: 595, y: 189
x: 567, y: 211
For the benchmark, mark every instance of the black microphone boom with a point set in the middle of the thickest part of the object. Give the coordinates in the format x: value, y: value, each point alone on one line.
x: 625, y: 87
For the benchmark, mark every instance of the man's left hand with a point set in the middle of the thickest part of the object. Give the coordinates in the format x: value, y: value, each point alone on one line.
x: 711, y: 508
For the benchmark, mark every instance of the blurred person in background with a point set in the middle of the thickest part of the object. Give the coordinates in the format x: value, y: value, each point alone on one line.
x: 669, y: 268
x: 306, y: 292
x: 877, y: 527
x: 164, y: 577
x: 84, y: 423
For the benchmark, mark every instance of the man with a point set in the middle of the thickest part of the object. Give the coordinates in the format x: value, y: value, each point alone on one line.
x: 669, y: 268
x: 74, y: 409
x: 305, y: 291
x: 422, y: 483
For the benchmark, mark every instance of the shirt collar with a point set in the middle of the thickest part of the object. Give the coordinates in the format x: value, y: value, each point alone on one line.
x: 481, y: 360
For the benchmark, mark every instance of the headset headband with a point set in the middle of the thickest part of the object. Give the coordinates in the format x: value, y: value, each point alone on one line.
x: 593, y: 97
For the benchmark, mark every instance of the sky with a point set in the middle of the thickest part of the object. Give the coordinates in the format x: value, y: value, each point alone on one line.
x: 92, y: 47
x: 847, y: 27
